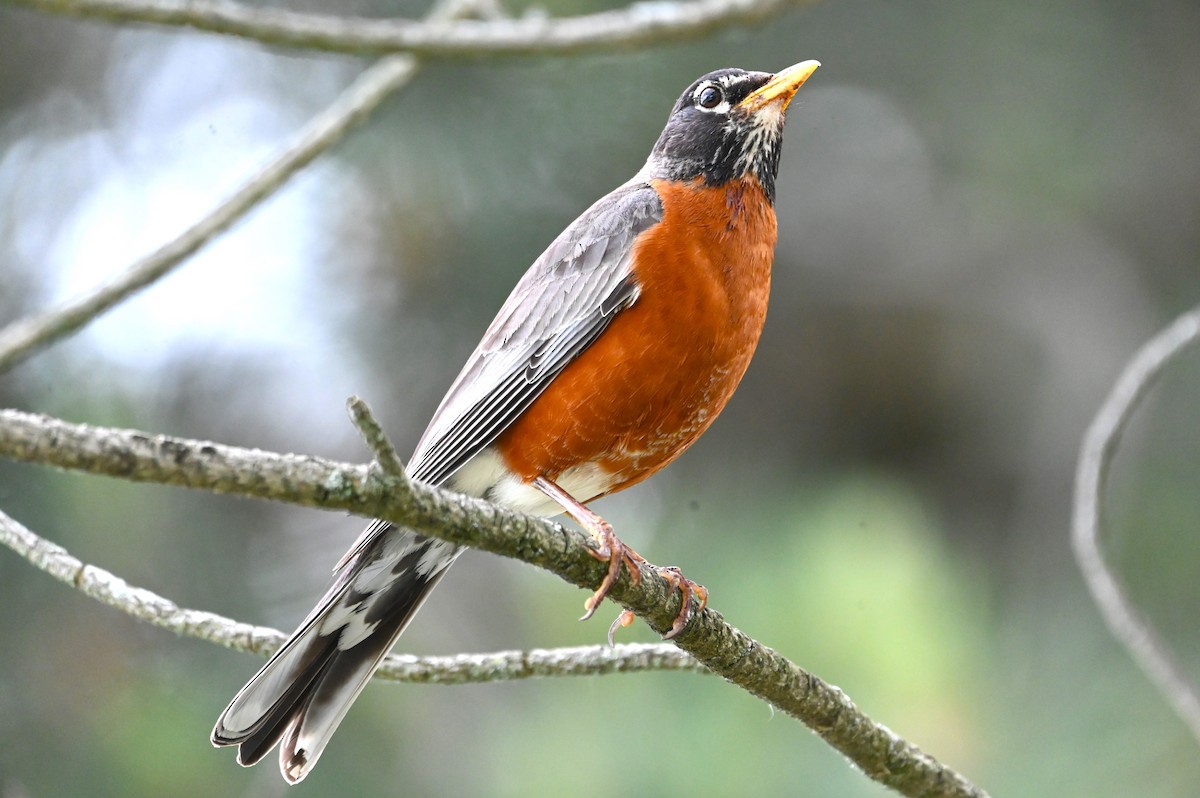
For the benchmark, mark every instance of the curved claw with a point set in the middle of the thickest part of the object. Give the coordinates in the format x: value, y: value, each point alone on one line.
x: 687, y: 589
x: 610, y: 549
x: 624, y: 619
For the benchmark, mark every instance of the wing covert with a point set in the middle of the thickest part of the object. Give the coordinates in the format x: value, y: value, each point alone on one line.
x: 559, y: 307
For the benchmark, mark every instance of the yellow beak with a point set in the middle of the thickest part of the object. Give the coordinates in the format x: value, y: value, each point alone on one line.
x: 781, y: 88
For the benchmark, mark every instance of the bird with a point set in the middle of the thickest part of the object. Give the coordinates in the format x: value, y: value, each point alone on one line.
x: 614, y: 352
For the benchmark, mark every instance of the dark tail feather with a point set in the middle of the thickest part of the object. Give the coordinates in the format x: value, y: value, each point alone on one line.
x: 255, y: 746
x: 303, y: 692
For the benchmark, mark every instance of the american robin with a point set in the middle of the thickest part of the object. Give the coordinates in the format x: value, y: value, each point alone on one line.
x: 618, y: 347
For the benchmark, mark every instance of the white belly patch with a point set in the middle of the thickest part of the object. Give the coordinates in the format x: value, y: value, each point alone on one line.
x: 487, y: 477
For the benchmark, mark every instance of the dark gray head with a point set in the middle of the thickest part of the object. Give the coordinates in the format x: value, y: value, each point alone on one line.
x: 728, y: 125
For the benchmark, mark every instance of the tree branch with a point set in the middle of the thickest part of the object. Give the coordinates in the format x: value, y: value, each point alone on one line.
x: 375, y: 438
x: 313, y: 481
x: 352, y: 107
x: 145, y: 605
x: 26, y: 336
x: 1129, y: 626
x: 639, y: 25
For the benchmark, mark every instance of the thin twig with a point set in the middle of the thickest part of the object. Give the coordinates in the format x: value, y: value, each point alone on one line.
x: 26, y: 336
x: 312, y: 481
x: 1127, y: 624
x: 640, y: 25
x: 352, y: 107
x: 538, y: 663
x: 145, y: 605
x: 376, y: 439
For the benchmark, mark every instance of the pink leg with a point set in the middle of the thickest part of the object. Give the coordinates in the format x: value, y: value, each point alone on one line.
x: 610, y: 549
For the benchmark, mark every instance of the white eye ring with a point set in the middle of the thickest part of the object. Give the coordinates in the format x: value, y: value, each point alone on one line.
x: 710, y: 98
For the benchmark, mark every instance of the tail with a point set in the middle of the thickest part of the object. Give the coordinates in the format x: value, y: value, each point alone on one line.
x: 303, y: 692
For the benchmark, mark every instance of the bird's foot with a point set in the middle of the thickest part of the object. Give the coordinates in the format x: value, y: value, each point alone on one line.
x: 687, y: 589
x: 610, y: 549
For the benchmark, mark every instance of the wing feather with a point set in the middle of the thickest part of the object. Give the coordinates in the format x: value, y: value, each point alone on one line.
x: 565, y: 300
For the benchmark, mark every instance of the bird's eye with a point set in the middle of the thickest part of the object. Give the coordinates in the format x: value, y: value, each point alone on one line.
x: 710, y: 97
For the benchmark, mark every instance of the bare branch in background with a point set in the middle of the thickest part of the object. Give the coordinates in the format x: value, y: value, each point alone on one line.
x: 145, y: 605
x: 24, y: 337
x: 312, y: 481
x: 1100, y: 443
x: 639, y: 25
x: 352, y: 107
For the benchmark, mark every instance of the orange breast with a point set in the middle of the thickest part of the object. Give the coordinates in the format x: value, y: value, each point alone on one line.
x: 661, y: 372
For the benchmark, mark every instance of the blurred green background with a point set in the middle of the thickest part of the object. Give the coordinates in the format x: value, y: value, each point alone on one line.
x: 984, y: 208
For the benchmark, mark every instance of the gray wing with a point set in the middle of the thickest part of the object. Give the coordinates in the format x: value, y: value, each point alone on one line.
x: 565, y: 300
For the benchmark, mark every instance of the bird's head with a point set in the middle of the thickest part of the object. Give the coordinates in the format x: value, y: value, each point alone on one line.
x: 728, y: 125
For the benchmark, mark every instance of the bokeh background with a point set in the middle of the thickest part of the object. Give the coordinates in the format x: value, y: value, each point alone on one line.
x: 984, y: 209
